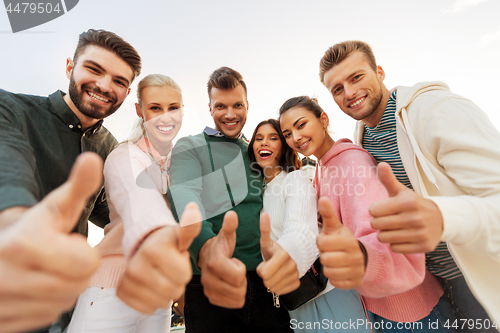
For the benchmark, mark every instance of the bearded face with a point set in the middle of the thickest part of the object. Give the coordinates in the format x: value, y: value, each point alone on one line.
x: 99, y: 82
x: 91, y: 100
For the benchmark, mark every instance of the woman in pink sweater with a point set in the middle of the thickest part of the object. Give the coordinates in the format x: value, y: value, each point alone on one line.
x: 136, y: 181
x: 393, y: 286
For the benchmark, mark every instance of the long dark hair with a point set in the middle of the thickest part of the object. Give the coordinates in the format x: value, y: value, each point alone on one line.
x: 289, y: 160
x: 306, y: 102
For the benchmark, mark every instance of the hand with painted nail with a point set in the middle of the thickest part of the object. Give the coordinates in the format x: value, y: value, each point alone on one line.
x: 160, y: 269
x: 278, y: 270
x: 340, y: 252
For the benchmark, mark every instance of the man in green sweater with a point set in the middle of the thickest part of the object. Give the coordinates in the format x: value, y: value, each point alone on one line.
x: 213, y: 170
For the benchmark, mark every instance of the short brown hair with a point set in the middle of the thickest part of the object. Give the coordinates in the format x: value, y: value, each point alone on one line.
x: 111, y: 42
x: 225, y: 78
x: 289, y: 160
x: 339, y: 52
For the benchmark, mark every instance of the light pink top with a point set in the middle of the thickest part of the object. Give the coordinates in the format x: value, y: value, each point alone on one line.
x: 396, y: 286
x: 137, y: 206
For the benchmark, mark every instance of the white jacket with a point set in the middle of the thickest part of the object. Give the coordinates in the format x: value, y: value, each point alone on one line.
x: 451, y: 153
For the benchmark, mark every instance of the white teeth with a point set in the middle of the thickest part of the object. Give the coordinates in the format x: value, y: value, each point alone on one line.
x: 165, y: 128
x: 231, y: 124
x: 303, y: 145
x: 99, y: 98
x: 357, y: 102
x: 265, y: 152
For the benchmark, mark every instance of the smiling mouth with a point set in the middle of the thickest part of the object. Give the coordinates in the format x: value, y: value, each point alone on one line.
x: 97, y: 97
x: 231, y: 124
x: 165, y: 129
x: 265, y: 154
x: 304, y: 144
x: 357, y: 102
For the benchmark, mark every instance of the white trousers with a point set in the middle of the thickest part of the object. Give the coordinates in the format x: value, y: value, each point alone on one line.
x: 99, y: 310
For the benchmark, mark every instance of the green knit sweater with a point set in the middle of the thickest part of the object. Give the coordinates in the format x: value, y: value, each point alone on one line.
x: 215, y: 172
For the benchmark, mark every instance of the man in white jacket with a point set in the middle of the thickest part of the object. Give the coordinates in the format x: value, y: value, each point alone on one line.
x: 444, y: 185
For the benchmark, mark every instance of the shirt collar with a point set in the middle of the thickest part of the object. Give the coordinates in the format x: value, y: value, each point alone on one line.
x: 213, y: 132
x: 66, y: 114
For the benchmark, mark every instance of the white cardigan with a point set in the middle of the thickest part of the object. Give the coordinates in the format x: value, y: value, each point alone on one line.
x: 451, y: 153
x: 290, y: 201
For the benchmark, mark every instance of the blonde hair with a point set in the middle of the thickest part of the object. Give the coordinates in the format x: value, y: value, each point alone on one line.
x: 152, y: 80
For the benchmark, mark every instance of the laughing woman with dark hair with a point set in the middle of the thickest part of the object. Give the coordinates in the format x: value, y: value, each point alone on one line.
x: 289, y: 199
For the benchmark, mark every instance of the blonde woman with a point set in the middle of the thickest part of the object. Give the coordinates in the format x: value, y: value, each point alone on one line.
x: 136, y: 181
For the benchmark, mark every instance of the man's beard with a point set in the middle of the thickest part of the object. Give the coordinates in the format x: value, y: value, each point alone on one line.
x: 372, y: 106
x: 375, y: 103
x: 89, y: 110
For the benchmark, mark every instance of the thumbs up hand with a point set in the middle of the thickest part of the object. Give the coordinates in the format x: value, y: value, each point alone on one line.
x: 43, y: 268
x: 160, y: 269
x: 406, y: 220
x: 223, y: 277
x: 278, y: 270
x: 340, y: 253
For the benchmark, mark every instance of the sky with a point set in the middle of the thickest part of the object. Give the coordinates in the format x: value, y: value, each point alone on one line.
x: 276, y: 45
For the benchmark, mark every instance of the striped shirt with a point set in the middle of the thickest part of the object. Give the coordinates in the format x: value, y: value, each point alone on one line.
x: 381, y: 142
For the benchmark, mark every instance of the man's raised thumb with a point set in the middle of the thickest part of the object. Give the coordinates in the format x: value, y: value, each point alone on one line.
x: 330, y: 221
x: 67, y: 202
x: 227, y: 234
x: 389, y: 180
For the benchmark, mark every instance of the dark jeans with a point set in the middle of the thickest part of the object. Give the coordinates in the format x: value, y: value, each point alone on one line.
x: 465, y: 307
x: 257, y: 315
x: 433, y: 323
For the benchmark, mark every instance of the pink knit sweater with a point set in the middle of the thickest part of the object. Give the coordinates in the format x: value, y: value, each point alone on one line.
x: 396, y: 286
x: 137, y: 206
